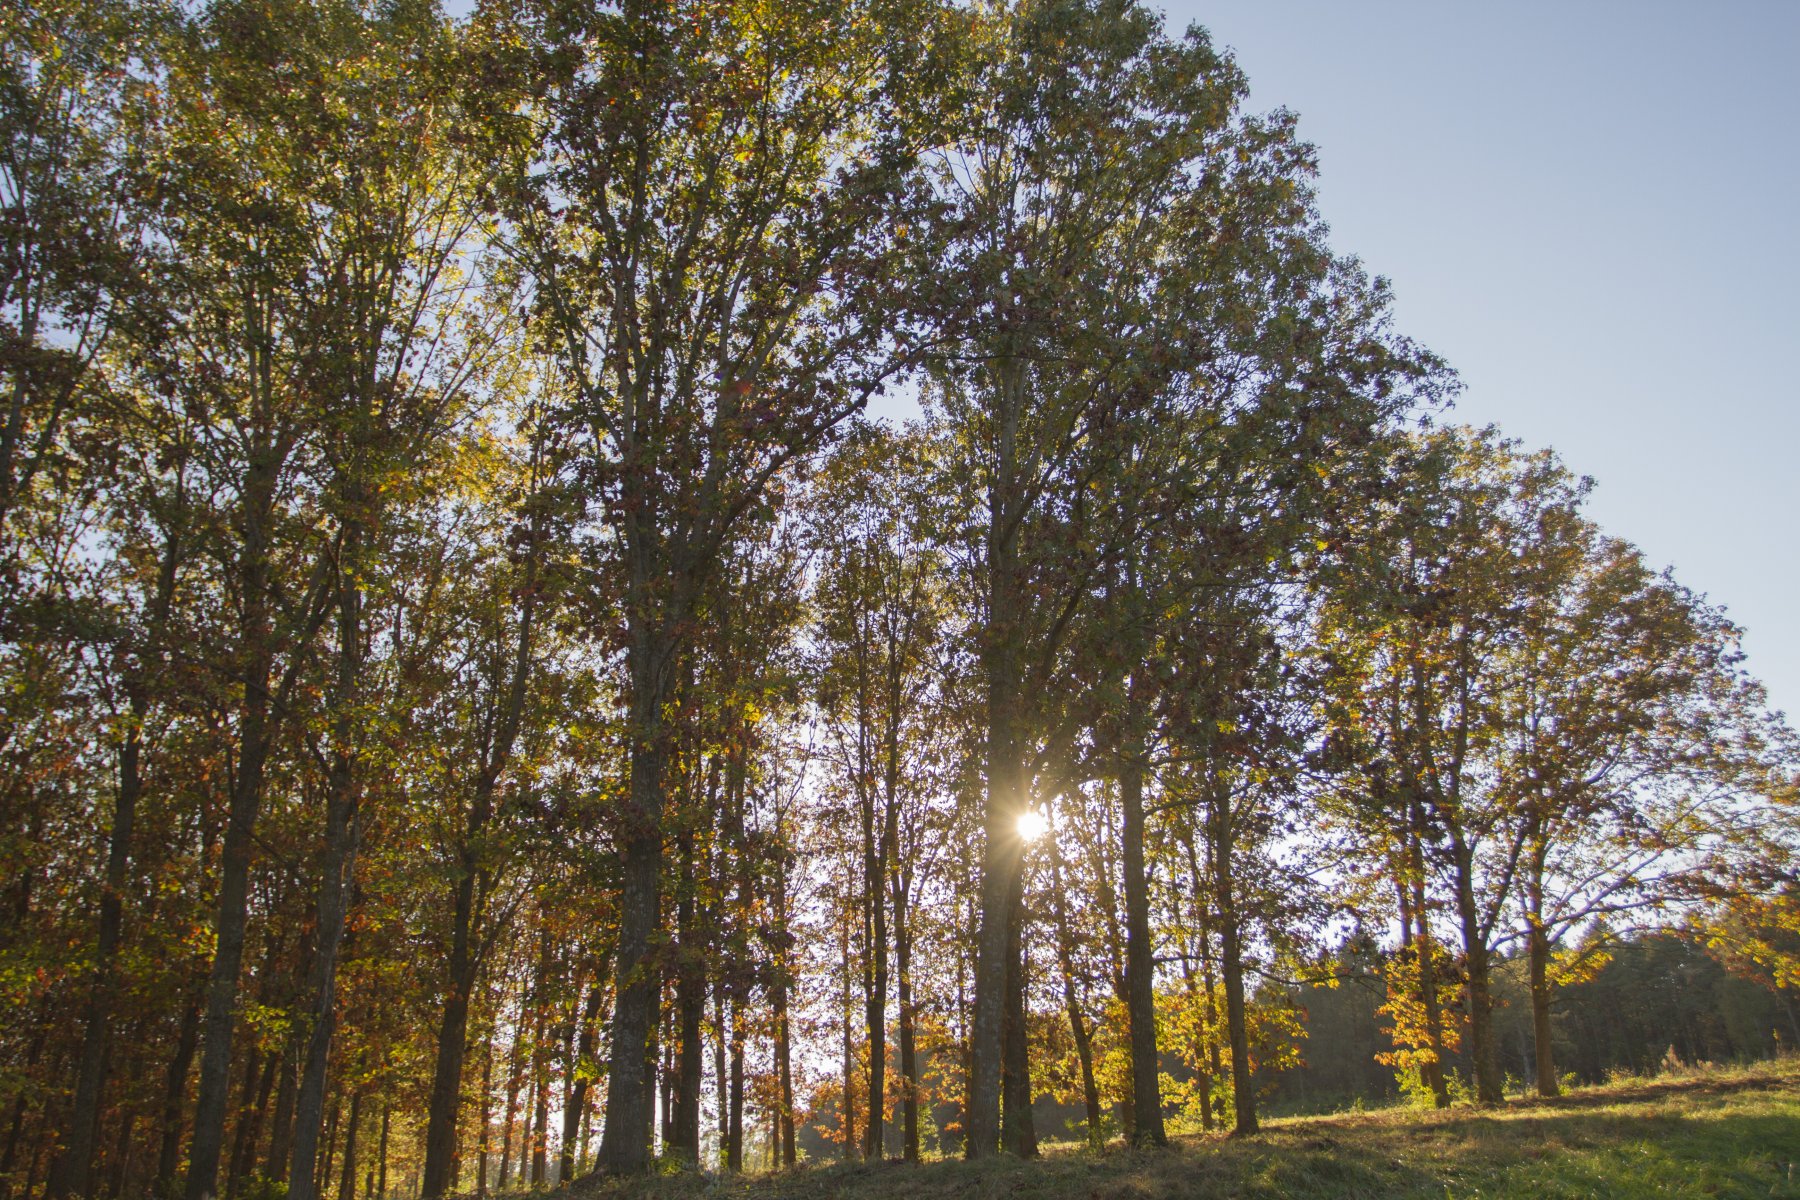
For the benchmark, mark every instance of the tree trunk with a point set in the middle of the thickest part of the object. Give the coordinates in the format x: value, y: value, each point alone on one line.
x: 625, y: 1139
x: 187, y: 1040
x: 540, y: 1065
x: 250, y: 1123
x: 255, y: 731
x: 1018, y: 1133
x: 1482, y: 1051
x: 70, y: 1171
x: 347, y: 1177
x: 1140, y: 970
x: 1427, y: 950
x: 1231, y: 967
x: 70, y: 1174
x: 342, y: 828
x: 849, y: 1103
x: 482, y: 1148
x: 734, y: 1133
x: 584, y: 1051
x: 875, y: 997
x: 1538, y: 949
x: 515, y: 1078
x: 909, y: 1049
x: 381, y: 1151
x: 1065, y: 961
x: 690, y: 1012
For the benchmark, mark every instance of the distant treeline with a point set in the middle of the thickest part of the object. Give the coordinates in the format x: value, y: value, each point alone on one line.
x: 1660, y: 1001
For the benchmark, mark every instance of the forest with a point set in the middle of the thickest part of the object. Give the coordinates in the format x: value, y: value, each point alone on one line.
x: 482, y: 703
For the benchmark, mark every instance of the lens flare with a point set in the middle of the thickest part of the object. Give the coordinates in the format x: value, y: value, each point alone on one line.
x: 1033, y: 824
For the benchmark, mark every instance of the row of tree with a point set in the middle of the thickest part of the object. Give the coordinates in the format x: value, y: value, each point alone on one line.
x: 477, y: 697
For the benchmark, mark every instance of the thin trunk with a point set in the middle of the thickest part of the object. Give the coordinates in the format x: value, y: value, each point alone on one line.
x: 515, y: 1078
x: 848, y: 1021
x: 255, y: 733
x: 909, y: 1049
x: 1231, y: 965
x: 187, y: 1040
x: 347, y: 1177
x: 778, y: 1000
x: 734, y: 1133
x: 1018, y: 1131
x: 1139, y: 959
x: 1434, y: 1017
x: 337, y: 872
x: 382, y: 1151
x: 468, y: 902
x: 540, y: 1064
x: 482, y: 1148
x: 281, y: 1135
x: 250, y: 1123
x: 690, y: 1011
x: 577, y: 1107
x: 1065, y: 961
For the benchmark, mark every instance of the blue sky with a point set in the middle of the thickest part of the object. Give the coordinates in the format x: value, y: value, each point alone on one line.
x: 1589, y: 208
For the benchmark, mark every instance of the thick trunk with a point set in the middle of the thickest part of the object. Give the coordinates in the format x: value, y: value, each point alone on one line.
x: 1140, y: 968
x: 228, y: 958
x: 1232, y: 970
x: 625, y: 1140
x: 1538, y: 950
x: 1002, y: 854
x: 381, y: 1152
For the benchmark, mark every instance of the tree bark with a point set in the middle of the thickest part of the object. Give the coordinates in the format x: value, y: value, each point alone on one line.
x: 1482, y: 1051
x: 255, y: 732
x: 187, y: 1040
x: 584, y: 1051
x: 1084, y: 1052
x: 1140, y: 970
x: 347, y: 1176
x: 1018, y: 1133
x: 338, y: 870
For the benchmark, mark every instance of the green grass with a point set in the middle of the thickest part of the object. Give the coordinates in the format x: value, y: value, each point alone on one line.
x: 1720, y: 1134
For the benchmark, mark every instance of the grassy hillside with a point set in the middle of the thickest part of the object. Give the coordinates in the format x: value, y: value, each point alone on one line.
x: 1721, y: 1134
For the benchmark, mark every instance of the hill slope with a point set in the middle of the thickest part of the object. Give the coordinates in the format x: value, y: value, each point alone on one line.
x: 1721, y: 1134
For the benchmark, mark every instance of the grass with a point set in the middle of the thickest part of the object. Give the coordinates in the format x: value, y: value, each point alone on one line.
x: 1728, y: 1133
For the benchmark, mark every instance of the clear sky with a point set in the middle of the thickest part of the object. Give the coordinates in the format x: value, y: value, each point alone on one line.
x: 1590, y: 209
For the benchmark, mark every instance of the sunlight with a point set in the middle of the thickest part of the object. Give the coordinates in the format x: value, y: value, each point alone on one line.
x: 1032, y: 824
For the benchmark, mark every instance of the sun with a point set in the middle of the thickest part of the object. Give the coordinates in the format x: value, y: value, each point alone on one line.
x: 1033, y: 824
